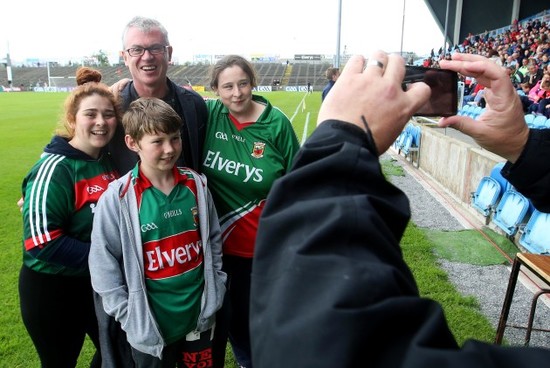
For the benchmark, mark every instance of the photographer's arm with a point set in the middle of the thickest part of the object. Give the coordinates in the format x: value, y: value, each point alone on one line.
x: 329, y: 280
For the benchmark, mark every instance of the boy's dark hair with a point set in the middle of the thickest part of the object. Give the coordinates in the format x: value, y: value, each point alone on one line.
x: 150, y: 115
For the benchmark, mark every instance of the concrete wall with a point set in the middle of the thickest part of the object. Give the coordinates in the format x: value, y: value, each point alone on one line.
x: 457, y: 165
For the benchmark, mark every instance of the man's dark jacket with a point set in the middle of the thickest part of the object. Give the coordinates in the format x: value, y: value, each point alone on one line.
x: 530, y: 174
x: 330, y: 287
x: 189, y: 105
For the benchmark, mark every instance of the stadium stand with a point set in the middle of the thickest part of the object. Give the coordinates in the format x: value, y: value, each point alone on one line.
x: 303, y: 73
x: 29, y: 77
x: 269, y: 74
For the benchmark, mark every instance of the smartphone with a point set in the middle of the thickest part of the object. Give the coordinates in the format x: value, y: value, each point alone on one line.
x: 444, y: 86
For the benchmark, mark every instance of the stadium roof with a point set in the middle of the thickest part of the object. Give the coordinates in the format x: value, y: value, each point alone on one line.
x: 474, y: 16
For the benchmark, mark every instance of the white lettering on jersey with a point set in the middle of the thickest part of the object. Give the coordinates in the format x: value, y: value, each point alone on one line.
x: 238, y: 138
x: 215, y: 161
x: 109, y: 177
x: 94, y: 189
x: 148, y: 227
x: 172, y: 213
x: 221, y: 135
x: 158, y: 259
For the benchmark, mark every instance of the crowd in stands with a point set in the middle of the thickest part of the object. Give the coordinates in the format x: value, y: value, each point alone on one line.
x: 523, y: 49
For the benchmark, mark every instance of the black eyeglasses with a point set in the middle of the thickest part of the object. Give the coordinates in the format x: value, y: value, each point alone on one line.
x: 153, y: 50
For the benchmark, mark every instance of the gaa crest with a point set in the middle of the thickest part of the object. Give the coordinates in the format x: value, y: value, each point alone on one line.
x: 195, y: 214
x: 258, y: 150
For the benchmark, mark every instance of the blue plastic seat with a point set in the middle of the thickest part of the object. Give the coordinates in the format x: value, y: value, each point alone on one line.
x: 511, y: 211
x: 535, y: 236
x: 411, y: 148
x: 485, y: 198
x: 400, y: 141
x: 471, y: 112
x: 475, y: 112
x: 464, y: 110
x: 495, y: 174
x: 539, y: 122
x: 412, y: 140
x: 407, y: 143
x: 529, y: 120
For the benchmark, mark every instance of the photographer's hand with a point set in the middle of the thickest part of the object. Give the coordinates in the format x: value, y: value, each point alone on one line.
x: 501, y: 128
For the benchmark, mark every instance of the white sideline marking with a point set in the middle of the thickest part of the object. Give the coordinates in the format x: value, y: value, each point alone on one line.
x: 304, y: 134
x: 301, y: 106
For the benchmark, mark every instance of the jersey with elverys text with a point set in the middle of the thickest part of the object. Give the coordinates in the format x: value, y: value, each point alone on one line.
x: 241, y: 162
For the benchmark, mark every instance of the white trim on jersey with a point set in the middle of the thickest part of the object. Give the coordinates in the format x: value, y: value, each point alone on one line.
x: 231, y: 217
x: 38, y: 199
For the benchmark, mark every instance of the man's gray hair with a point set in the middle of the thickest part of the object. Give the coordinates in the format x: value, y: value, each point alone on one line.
x: 145, y: 25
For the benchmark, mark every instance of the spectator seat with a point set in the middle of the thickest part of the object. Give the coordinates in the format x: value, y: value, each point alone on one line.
x: 495, y: 174
x: 535, y: 235
x: 529, y: 120
x: 486, y: 196
x: 511, y: 211
x: 539, y: 122
x: 465, y: 110
x: 411, y: 145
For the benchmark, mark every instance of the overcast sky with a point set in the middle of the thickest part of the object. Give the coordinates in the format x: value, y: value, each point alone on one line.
x: 62, y: 30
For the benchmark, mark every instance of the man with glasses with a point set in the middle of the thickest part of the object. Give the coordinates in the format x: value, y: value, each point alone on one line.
x: 147, y: 53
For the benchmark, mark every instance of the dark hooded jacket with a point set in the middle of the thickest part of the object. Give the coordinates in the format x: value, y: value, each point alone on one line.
x: 192, y: 109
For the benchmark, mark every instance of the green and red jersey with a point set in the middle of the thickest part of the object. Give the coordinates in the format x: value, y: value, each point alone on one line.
x: 60, y: 193
x: 172, y: 252
x: 241, y: 162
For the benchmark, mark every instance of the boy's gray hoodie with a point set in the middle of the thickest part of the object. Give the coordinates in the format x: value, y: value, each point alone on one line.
x: 117, y: 271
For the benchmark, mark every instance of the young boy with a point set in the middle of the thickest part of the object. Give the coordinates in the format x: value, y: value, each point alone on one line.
x: 155, y: 258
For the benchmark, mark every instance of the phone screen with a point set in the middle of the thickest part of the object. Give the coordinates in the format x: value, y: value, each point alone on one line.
x: 444, y: 86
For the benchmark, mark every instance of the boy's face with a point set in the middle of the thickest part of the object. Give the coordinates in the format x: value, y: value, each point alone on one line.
x: 157, y: 152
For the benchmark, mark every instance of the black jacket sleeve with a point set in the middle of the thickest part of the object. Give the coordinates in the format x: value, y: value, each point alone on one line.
x: 195, y: 116
x: 192, y: 109
x: 530, y: 175
x: 329, y: 285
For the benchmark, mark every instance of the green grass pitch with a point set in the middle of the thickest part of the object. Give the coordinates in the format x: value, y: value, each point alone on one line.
x: 27, y: 122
